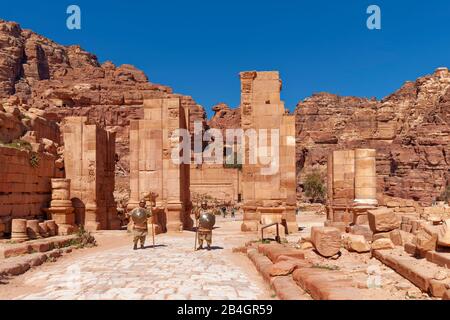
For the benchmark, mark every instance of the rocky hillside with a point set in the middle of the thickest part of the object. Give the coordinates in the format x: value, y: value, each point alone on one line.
x: 61, y: 81
x: 41, y: 82
x: 225, y: 117
x: 410, y: 130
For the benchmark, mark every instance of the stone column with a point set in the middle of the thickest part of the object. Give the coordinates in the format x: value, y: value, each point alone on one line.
x: 330, y: 187
x: 19, y: 230
x: 365, y: 177
x: 61, y: 209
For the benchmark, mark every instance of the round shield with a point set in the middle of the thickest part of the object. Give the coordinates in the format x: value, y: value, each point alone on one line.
x: 139, y: 215
x: 207, y: 220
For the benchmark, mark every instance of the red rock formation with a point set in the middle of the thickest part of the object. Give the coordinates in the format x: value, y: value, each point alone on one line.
x: 410, y: 130
x: 41, y: 82
x: 68, y: 81
x: 225, y: 117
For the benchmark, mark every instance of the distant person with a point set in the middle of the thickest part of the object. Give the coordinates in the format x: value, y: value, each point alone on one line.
x: 233, y: 211
x: 224, y: 211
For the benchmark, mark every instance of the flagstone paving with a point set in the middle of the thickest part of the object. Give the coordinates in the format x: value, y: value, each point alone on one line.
x: 171, y: 270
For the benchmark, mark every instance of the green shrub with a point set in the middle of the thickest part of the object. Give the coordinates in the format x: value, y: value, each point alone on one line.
x: 35, y: 160
x: 18, y: 144
x: 314, y: 187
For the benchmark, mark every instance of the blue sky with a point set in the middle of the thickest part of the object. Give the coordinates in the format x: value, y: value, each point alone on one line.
x: 199, y: 47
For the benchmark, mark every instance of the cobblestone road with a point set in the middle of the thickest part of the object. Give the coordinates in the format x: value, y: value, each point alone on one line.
x: 170, y: 271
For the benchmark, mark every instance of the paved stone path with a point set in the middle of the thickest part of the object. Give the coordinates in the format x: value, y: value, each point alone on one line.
x: 170, y: 271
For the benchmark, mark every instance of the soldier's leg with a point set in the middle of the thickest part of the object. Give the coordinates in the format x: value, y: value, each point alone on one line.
x: 209, y: 240
x: 200, y: 241
x: 142, y: 241
x: 135, y: 241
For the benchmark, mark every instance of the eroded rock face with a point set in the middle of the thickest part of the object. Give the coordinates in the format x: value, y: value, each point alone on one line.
x: 61, y: 81
x: 409, y: 129
x: 225, y: 117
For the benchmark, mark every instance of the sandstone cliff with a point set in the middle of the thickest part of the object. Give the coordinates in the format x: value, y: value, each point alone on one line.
x: 41, y: 82
x: 225, y: 117
x: 68, y: 81
x: 410, y: 130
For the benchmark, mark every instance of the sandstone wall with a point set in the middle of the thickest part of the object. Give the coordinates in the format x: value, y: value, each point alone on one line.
x: 268, y: 186
x: 152, y: 168
x: 89, y: 159
x: 215, y: 180
x: 24, y: 189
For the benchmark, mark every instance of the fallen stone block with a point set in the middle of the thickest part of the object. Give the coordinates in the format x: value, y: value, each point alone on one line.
x: 341, y: 226
x: 419, y: 271
x: 444, y: 234
x: 439, y: 258
x: 410, y: 248
x: 40, y: 247
x: 382, y: 220
x: 425, y: 240
x: 381, y: 235
x: 362, y: 231
x: 282, y: 268
x: 382, y: 244
x: 326, y: 285
x: 355, y: 243
x: 273, y: 251
x: 326, y: 240
x: 400, y: 237
x: 14, y: 250
x: 261, y: 262
x: 287, y: 289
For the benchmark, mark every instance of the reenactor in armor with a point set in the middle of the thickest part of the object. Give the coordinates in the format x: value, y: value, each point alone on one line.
x: 206, y: 221
x: 140, y: 215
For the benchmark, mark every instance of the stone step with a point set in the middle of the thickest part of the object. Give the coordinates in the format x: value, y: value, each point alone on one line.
x: 422, y: 273
x: 274, y: 251
x: 440, y: 258
x: 19, y: 265
x: 284, y: 286
x: 34, y: 246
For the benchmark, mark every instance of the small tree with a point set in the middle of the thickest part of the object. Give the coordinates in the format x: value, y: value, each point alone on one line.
x: 314, y: 187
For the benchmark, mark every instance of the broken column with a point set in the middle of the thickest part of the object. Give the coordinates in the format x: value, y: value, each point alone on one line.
x: 61, y: 210
x: 351, y: 186
x: 268, y: 186
x: 365, y: 177
x: 89, y: 158
x: 326, y: 240
x: 19, y: 230
x: 152, y: 168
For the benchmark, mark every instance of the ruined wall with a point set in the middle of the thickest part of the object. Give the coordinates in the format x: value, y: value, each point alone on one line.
x: 63, y: 81
x: 24, y: 189
x: 215, y: 180
x: 267, y: 195
x: 151, y: 165
x: 352, y: 185
x: 89, y: 158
